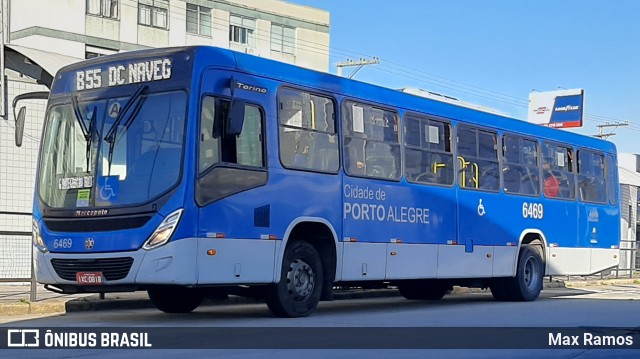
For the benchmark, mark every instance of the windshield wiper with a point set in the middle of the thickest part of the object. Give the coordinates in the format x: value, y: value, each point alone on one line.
x: 111, y: 134
x: 87, y: 132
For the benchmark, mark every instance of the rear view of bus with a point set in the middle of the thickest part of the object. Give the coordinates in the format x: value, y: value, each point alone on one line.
x: 112, y: 160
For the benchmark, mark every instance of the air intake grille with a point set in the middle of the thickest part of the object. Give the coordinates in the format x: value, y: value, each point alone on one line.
x: 96, y: 224
x: 111, y: 268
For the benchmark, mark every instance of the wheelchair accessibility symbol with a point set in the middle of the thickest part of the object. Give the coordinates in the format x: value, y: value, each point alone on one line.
x: 481, y: 210
x: 108, y: 188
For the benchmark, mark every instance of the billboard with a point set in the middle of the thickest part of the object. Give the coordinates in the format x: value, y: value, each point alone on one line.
x: 557, y: 109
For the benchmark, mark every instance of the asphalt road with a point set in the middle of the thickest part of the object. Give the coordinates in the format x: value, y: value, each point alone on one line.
x: 337, y: 324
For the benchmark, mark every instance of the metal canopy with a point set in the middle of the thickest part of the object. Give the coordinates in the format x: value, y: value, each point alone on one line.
x: 37, y: 64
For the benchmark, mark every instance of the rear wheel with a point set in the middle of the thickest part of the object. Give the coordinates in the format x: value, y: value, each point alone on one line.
x: 176, y: 299
x: 527, y: 283
x: 423, y: 290
x: 298, y: 292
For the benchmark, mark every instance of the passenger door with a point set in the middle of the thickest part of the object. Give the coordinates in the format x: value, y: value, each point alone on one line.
x: 479, y: 209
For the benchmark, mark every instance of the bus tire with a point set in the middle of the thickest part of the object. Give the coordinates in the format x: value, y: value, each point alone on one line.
x: 527, y: 283
x: 423, y: 290
x: 176, y: 299
x: 298, y: 292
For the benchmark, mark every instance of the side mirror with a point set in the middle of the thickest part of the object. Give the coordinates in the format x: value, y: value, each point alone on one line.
x: 235, y: 119
x: 38, y: 95
x: 20, y: 126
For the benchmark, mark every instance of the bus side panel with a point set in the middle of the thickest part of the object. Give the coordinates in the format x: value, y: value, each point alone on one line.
x: 407, y: 221
x: 481, y: 225
x: 250, y: 220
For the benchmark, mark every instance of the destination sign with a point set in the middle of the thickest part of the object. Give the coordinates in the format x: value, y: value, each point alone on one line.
x: 124, y: 74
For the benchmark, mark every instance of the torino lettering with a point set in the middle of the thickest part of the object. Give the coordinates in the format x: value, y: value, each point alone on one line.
x: 379, y: 213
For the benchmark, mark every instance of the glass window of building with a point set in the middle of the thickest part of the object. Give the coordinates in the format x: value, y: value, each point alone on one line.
x: 154, y: 13
x: 283, y: 39
x: 198, y: 20
x: 104, y: 8
x: 242, y: 30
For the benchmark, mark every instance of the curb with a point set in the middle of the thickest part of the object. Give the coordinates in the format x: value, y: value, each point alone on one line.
x: 601, y: 282
x: 22, y: 308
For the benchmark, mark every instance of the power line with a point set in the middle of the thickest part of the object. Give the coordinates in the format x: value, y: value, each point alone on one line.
x: 222, y: 24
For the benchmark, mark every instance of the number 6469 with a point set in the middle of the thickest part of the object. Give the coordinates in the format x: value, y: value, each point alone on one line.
x: 532, y: 210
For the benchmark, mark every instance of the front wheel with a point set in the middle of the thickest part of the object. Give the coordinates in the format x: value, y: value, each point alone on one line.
x: 298, y: 292
x: 176, y: 299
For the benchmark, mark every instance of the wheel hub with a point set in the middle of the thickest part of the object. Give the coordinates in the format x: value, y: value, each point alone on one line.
x: 300, y: 278
x: 530, y: 274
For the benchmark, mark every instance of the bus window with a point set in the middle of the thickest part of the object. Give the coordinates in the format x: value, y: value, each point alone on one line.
x: 477, y: 161
x: 246, y: 149
x: 612, y: 179
x: 560, y: 159
x: 308, y: 137
x: 209, y: 139
x: 591, y: 177
x: 428, y: 153
x: 371, y: 142
x: 521, y: 169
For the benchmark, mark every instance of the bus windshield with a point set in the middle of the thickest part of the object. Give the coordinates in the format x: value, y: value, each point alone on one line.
x: 83, y: 164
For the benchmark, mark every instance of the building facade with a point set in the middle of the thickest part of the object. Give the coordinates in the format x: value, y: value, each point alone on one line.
x: 629, y: 168
x: 87, y: 28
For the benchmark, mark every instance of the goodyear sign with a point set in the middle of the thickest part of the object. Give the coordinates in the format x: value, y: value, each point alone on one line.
x: 557, y: 109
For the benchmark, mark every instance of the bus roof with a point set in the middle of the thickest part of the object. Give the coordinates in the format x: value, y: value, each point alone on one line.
x: 349, y: 88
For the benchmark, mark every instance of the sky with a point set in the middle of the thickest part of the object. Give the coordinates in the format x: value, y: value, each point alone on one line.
x: 495, y: 52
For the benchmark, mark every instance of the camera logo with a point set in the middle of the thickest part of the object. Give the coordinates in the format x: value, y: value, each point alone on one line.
x: 22, y: 338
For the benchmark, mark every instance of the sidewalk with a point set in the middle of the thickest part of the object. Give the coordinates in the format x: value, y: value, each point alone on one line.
x: 14, y: 297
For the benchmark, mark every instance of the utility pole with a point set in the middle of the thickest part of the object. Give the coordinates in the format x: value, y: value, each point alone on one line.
x: 604, y: 136
x: 360, y: 63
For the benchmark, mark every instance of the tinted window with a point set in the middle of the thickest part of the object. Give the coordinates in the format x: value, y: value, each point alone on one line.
x: 308, y: 137
x: 591, y: 177
x: 477, y: 160
x: 428, y: 153
x: 245, y: 149
x: 371, y: 141
x: 558, y: 161
x: 520, y: 168
x: 612, y: 179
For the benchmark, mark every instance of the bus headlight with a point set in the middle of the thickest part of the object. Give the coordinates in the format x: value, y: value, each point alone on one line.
x: 36, y: 238
x: 163, y: 233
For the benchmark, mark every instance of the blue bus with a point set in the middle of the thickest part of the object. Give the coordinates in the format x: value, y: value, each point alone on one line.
x: 198, y: 170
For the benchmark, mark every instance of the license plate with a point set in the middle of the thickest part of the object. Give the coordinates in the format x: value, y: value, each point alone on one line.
x: 89, y: 278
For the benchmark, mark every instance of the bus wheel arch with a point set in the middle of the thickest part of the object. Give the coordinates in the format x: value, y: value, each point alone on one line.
x: 527, y: 282
x: 309, y: 252
x: 534, y: 237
